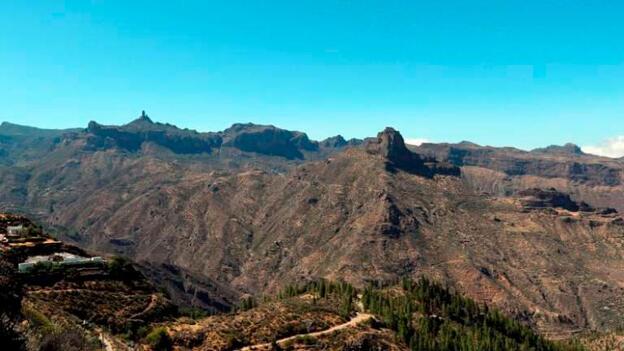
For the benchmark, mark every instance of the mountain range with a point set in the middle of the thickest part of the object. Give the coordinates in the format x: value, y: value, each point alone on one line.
x: 246, y: 211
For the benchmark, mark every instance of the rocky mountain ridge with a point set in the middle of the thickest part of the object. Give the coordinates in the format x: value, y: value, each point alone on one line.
x: 249, y: 137
x: 504, y: 171
x: 237, y: 222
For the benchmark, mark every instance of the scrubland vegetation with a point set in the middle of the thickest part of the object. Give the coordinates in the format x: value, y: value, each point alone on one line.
x: 427, y: 316
x: 412, y: 315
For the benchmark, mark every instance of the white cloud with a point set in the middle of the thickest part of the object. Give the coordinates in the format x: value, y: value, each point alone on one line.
x: 416, y: 141
x: 613, y: 147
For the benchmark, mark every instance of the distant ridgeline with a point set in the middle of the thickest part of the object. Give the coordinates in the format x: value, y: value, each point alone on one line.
x: 133, y: 135
x: 260, y: 139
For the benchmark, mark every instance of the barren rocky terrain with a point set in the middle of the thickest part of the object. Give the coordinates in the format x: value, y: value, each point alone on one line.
x: 214, y: 216
x: 502, y: 171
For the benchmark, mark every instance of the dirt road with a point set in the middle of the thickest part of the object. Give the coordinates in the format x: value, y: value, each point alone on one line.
x: 359, y: 318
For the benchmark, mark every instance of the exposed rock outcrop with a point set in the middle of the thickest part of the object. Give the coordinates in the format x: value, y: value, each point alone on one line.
x: 132, y: 136
x: 580, y: 168
x: 268, y: 140
x: 338, y: 141
x: 551, y: 198
x: 390, y: 145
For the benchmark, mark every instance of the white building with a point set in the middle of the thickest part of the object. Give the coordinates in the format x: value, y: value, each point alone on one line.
x: 59, y: 259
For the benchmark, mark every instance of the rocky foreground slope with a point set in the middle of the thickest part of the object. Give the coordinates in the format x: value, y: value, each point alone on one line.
x: 55, y: 296
x: 110, y: 306
x: 242, y: 218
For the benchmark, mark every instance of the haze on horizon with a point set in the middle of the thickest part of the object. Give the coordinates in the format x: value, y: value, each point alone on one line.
x: 524, y: 74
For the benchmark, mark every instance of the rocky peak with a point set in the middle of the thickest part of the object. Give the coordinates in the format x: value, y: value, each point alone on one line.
x: 131, y: 136
x: 334, y: 142
x: 390, y: 145
x: 142, y: 120
x: 144, y: 117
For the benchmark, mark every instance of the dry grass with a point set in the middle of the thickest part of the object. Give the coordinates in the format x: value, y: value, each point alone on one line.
x: 111, y: 304
x: 604, y: 342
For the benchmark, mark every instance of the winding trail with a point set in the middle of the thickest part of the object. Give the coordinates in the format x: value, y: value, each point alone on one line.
x: 152, y: 304
x: 359, y: 318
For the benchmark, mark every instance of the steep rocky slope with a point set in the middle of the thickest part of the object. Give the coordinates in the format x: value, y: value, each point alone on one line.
x: 215, y: 227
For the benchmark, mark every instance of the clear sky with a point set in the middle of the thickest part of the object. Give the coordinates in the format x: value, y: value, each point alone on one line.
x: 502, y: 72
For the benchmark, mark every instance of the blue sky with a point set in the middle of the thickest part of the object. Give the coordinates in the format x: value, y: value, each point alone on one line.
x: 521, y: 73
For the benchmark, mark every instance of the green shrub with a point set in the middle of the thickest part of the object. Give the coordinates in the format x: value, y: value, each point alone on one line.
x: 38, y: 319
x: 247, y: 304
x: 234, y: 340
x: 67, y: 339
x: 307, y: 340
x: 193, y: 312
x: 159, y: 339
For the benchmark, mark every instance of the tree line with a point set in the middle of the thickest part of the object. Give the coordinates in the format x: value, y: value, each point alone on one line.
x: 427, y: 316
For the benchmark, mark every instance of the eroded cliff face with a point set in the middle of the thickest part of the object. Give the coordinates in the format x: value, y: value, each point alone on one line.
x: 390, y: 145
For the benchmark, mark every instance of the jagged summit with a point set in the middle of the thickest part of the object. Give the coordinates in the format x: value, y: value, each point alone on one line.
x: 145, y: 123
x: 259, y: 139
x: 335, y: 141
x: 143, y: 119
x: 131, y: 136
x: 391, y: 145
x: 338, y: 141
